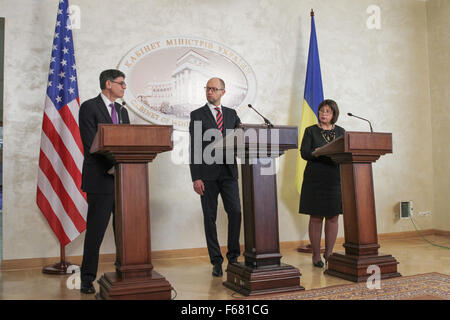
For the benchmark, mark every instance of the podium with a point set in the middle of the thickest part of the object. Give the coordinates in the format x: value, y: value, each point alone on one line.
x: 132, y: 147
x: 262, y: 272
x: 355, y: 152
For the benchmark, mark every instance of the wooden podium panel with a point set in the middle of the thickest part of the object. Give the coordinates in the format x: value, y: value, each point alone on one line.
x: 132, y: 147
x: 132, y: 143
x: 355, y: 152
x: 262, y: 272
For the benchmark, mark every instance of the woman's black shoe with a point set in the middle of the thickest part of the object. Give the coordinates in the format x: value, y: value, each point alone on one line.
x: 318, y: 264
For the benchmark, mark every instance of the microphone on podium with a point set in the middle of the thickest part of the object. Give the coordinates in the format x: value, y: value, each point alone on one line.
x: 269, y: 124
x: 352, y: 115
x: 120, y: 111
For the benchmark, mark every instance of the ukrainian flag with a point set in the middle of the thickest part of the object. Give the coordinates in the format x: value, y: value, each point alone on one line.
x: 313, y: 96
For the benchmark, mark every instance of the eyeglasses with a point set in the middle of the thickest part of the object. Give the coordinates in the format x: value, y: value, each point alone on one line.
x: 212, y: 89
x: 325, y: 111
x: 123, y: 84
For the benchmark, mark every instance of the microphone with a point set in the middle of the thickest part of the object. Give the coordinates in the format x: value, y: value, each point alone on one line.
x: 269, y: 124
x: 120, y: 111
x: 352, y: 115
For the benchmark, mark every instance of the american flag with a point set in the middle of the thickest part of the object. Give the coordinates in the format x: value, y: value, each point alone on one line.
x: 59, y: 195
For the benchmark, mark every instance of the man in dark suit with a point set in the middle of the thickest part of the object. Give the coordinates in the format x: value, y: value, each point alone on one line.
x: 98, y: 170
x: 213, y: 178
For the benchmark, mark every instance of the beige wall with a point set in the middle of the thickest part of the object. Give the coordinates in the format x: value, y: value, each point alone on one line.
x: 379, y: 74
x: 438, y: 17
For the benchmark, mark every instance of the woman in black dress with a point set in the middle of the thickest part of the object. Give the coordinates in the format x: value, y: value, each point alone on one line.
x: 321, y: 189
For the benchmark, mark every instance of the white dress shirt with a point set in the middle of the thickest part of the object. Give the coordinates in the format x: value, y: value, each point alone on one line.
x: 107, y: 103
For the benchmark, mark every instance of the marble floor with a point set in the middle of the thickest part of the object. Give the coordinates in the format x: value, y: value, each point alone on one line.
x: 192, y: 280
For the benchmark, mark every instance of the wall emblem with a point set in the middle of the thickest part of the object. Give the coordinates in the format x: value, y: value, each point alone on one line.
x: 166, y: 78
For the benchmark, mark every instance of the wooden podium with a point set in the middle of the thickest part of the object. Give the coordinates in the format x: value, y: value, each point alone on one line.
x: 355, y: 152
x: 132, y: 146
x: 262, y: 272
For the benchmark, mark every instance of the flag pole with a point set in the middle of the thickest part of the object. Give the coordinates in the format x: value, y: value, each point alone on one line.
x: 60, y: 267
x: 307, y: 248
x: 70, y: 217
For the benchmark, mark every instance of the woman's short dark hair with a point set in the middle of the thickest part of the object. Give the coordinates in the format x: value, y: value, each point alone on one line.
x: 109, y: 74
x: 333, y: 106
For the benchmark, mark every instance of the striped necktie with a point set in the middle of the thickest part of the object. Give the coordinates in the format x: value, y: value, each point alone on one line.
x: 219, y: 120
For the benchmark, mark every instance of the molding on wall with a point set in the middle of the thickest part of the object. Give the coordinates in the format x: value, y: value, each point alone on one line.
x: 37, y: 263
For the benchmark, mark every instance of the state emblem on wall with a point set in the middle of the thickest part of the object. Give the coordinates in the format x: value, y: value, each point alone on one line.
x: 166, y: 78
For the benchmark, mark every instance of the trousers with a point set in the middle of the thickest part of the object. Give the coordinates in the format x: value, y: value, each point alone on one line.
x: 100, y: 208
x: 228, y: 188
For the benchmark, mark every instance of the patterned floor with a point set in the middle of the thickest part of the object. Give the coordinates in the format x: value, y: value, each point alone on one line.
x: 429, y: 286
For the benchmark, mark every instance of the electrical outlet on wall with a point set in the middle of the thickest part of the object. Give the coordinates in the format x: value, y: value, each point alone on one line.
x: 424, y: 213
x: 406, y: 209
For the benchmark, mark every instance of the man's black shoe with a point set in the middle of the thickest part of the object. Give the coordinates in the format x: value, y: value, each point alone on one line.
x: 87, y: 288
x: 217, y: 270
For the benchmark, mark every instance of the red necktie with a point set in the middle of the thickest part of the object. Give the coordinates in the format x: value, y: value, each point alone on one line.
x: 219, y: 120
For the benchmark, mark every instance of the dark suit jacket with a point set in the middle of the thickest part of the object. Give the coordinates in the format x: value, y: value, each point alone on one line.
x: 95, y: 178
x: 202, y: 170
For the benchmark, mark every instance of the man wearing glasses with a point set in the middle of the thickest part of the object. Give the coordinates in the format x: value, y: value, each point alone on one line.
x: 97, y: 175
x: 210, y: 180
